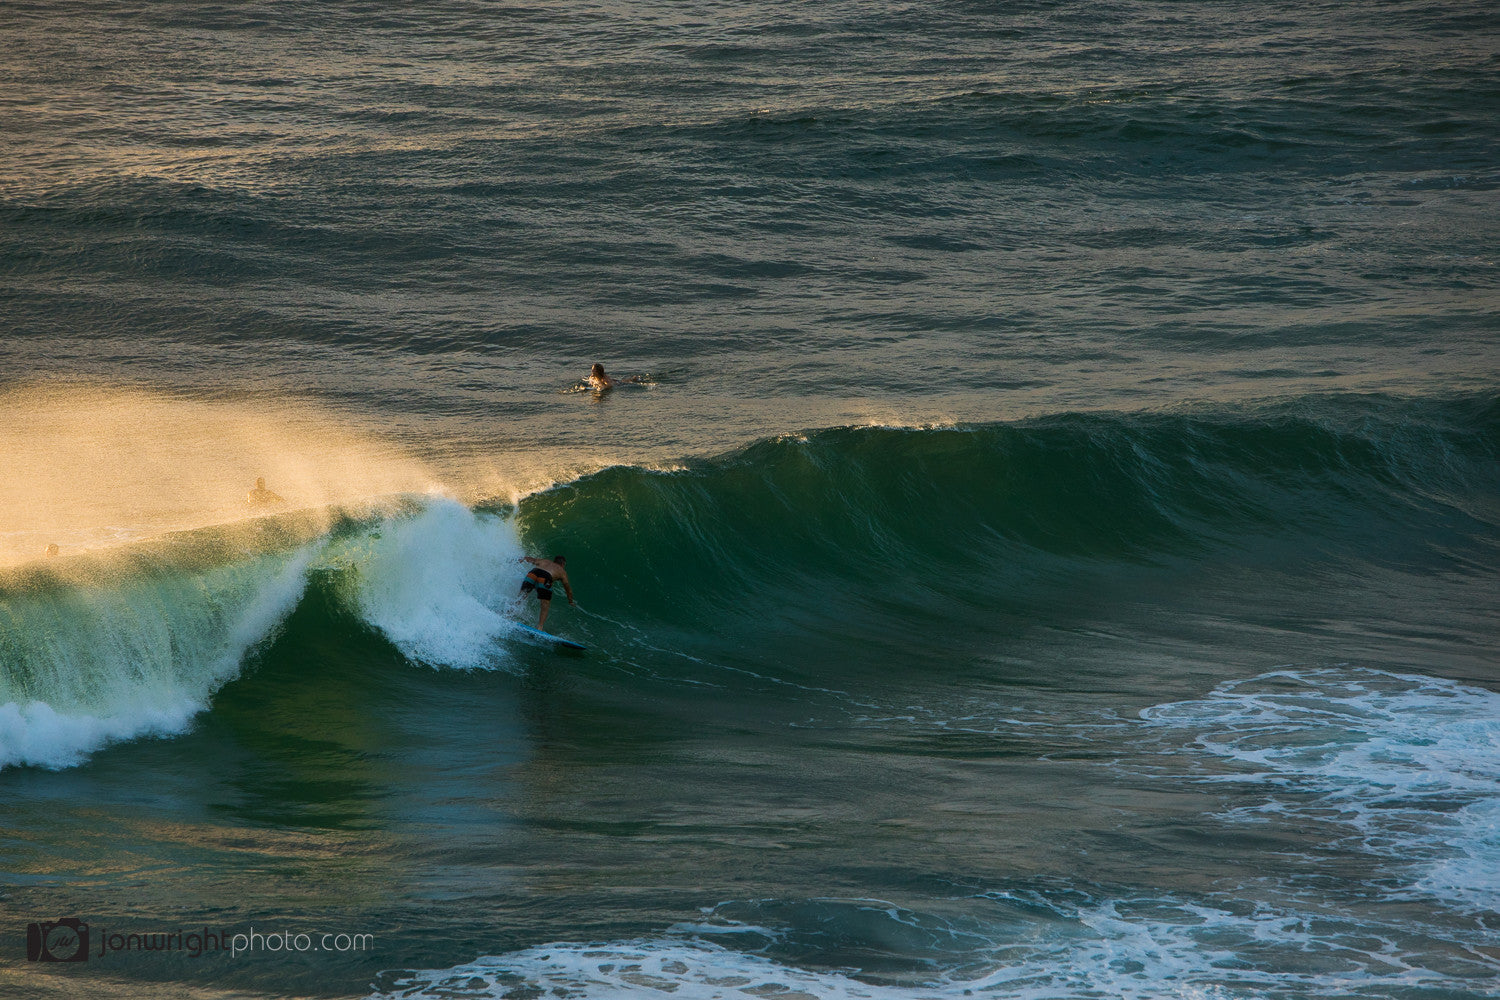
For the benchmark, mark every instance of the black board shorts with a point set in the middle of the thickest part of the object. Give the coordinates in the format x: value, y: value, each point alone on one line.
x: 540, y: 581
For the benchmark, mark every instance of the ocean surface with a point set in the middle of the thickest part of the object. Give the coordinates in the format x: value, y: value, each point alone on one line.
x: 1052, y: 552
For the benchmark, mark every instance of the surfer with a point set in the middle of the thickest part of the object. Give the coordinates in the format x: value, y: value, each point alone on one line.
x: 600, y: 381
x: 540, y: 580
x: 261, y: 496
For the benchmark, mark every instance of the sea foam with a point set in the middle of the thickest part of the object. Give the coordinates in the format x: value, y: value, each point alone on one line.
x: 1403, y: 767
x: 438, y: 583
x: 1020, y: 944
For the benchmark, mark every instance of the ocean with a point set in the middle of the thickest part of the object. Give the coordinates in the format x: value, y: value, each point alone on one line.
x: 1051, y: 550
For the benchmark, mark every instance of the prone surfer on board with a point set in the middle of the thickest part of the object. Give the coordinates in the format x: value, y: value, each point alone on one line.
x: 540, y: 580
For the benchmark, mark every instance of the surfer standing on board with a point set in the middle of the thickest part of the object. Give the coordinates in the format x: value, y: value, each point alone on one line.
x: 540, y: 580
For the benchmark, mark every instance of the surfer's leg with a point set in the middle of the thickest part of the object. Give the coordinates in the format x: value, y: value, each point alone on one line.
x: 546, y: 603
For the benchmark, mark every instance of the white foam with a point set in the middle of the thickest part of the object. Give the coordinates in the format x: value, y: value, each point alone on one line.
x: 1144, y: 948
x: 437, y: 584
x: 695, y: 970
x: 137, y: 657
x: 1408, y: 766
x: 36, y: 734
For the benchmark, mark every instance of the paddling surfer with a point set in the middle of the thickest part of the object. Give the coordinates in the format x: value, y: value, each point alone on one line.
x: 600, y: 381
x: 541, y: 578
x: 260, y: 496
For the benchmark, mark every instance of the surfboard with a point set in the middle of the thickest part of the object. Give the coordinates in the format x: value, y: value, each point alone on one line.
x: 556, y: 640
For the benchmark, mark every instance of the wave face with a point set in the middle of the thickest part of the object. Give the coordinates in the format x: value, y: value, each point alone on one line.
x: 1013, y: 517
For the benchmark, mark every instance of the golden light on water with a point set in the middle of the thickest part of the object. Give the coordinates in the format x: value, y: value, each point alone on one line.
x: 89, y: 466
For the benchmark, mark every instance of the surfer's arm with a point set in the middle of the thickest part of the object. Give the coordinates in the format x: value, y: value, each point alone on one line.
x: 568, y: 589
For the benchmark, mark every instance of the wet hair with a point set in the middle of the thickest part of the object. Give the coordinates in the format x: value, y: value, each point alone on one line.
x: 559, y: 559
x: 597, y: 371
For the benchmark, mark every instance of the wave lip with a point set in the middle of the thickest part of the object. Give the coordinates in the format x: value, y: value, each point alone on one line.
x: 138, y: 651
x: 119, y: 646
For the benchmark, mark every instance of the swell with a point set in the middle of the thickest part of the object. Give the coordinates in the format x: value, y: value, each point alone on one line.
x: 994, y: 509
x: 871, y: 528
